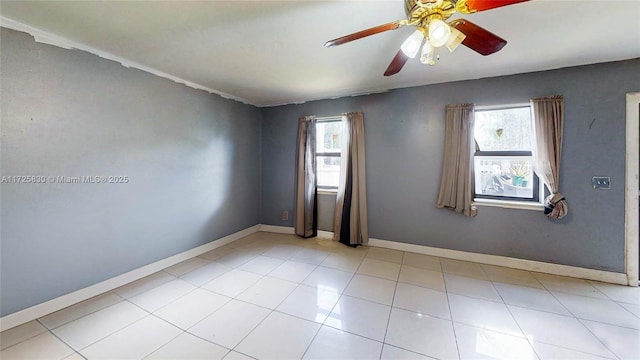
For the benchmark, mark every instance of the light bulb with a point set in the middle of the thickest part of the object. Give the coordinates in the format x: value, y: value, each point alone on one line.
x: 439, y: 32
x: 426, y: 57
x: 411, y: 46
x: 455, y: 39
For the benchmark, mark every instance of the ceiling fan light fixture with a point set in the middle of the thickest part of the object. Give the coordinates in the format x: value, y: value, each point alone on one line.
x: 439, y: 32
x: 426, y: 57
x: 455, y: 39
x: 434, y: 27
x: 411, y: 46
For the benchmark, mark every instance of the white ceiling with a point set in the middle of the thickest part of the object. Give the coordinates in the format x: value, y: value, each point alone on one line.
x: 271, y: 52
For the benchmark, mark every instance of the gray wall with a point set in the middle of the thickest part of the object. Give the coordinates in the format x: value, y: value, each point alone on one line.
x: 192, y: 158
x: 404, y: 142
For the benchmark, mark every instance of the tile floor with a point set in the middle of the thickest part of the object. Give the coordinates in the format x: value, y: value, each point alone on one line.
x: 272, y: 296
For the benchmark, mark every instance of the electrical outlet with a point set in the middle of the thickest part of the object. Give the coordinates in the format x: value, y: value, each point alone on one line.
x: 285, y: 215
x: 601, y: 182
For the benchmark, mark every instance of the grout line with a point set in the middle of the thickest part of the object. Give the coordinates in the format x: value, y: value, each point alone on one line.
x: 82, y: 356
x: 407, y: 350
x: 598, y: 338
x: 56, y: 336
x: 629, y: 311
x: 87, y: 314
x: 312, y: 340
x: 444, y: 281
x: 592, y: 320
x: 393, y: 298
x: 341, y: 294
x: 330, y: 251
x: 527, y: 338
x: 274, y: 310
x: 115, y: 331
x: 173, y: 338
x: 570, y: 316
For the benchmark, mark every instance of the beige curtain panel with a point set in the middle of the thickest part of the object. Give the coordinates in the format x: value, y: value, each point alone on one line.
x: 548, y: 119
x: 350, y: 218
x: 306, y: 224
x: 456, y: 185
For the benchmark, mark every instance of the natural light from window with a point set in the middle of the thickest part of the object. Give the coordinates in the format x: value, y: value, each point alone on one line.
x: 328, y: 153
x: 503, y: 163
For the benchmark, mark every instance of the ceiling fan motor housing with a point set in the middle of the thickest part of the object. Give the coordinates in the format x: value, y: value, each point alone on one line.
x: 420, y: 12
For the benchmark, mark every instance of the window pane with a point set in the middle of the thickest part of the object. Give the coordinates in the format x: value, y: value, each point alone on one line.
x: 328, y: 171
x: 328, y: 137
x: 504, y: 129
x: 509, y: 176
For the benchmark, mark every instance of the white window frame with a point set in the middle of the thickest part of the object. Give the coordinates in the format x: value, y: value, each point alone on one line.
x: 327, y: 190
x: 510, y: 203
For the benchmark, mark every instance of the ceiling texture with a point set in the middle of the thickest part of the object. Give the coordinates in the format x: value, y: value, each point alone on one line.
x: 268, y: 53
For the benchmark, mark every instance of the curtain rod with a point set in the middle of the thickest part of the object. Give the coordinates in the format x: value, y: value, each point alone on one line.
x: 502, y: 106
x: 328, y: 118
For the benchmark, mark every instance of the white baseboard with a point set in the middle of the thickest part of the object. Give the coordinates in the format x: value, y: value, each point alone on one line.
x: 40, y: 310
x: 325, y: 234
x: 529, y: 265
x: 278, y: 229
x: 289, y: 230
x: 59, y: 303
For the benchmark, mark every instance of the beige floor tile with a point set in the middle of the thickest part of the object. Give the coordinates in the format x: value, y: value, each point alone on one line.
x: 187, y: 346
x: 186, y: 266
x: 147, y: 283
x: 394, y: 256
x: 20, y: 333
x: 191, y: 308
x: 463, y: 268
x: 44, y: 346
x: 79, y: 310
x: 85, y: 331
x: 135, y: 341
x: 279, y: 336
x: 232, y: 283
x: 371, y: 288
x: 379, y: 268
x: 230, y: 324
x: 162, y: 295
x: 332, y: 343
x: 293, y: 271
x: 569, y: 285
x: 422, y: 261
x: 271, y: 295
x: 511, y: 276
x: 467, y: 286
x: 342, y: 262
x: 422, y: 277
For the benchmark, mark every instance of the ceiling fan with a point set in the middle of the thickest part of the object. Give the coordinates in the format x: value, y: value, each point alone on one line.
x: 429, y: 16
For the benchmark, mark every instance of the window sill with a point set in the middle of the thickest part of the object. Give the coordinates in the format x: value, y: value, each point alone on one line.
x: 327, y: 191
x: 507, y: 204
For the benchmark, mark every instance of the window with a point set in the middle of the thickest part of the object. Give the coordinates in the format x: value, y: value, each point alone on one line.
x: 503, y: 161
x: 328, y: 152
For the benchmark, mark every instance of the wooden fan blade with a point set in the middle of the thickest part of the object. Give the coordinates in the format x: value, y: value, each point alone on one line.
x: 396, y: 64
x: 478, y: 39
x: 471, y: 6
x: 364, y: 33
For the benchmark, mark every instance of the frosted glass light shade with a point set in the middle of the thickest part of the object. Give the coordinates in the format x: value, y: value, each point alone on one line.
x: 426, y: 57
x: 455, y: 39
x: 411, y: 46
x: 439, y: 32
